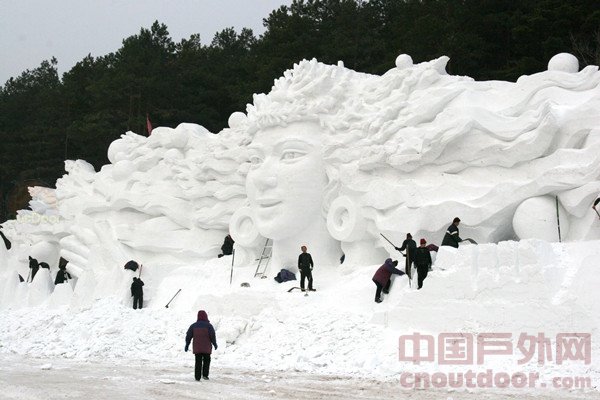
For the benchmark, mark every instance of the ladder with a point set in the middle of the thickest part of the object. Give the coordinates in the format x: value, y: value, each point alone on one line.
x: 264, y: 259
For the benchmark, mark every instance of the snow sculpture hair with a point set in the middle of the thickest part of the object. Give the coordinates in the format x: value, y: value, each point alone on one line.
x: 419, y: 146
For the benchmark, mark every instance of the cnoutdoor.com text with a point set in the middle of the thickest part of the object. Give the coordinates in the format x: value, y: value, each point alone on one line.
x: 488, y: 379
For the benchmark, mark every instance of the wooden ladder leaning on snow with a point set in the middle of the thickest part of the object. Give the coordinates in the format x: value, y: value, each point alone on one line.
x: 264, y: 259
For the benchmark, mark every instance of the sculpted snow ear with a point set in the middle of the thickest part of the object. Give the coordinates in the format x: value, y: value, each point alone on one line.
x: 243, y: 228
x: 345, y: 220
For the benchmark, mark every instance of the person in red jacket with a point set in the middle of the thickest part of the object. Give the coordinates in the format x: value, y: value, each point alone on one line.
x: 204, y: 337
x: 382, y: 277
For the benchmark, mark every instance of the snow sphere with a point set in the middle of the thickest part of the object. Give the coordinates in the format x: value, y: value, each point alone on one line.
x: 236, y: 119
x: 564, y: 62
x: 117, y: 151
x: 536, y: 218
x: 404, y: 61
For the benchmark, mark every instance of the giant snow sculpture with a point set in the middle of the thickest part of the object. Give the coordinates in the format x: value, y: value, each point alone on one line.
x: 410, y: 150
x: 330, y: 158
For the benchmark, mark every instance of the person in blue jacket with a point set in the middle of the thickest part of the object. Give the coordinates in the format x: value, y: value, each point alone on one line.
x: 204, y: 337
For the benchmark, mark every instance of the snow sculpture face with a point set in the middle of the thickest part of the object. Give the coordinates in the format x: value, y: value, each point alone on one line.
x: 287, y: 179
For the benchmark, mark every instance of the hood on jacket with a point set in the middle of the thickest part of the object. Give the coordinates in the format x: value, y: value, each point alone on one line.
x: 202, y: 316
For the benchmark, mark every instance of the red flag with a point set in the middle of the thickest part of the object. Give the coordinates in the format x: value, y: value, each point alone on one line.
x: 148, y: 125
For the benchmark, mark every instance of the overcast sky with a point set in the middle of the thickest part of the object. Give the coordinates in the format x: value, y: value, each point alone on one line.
x: 36, y: 30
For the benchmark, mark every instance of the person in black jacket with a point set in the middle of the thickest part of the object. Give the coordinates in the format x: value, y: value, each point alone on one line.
x: 452, y: 238
x: 34, y: 266
x: 227, y: 247
x: 62, y: 275
x: 593, y: 206
x: 305, y: 265
x: 422, y: 261
x: 137, y: 292
x: 410, y: 246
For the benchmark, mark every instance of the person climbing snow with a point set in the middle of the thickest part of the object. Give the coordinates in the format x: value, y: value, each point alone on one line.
x: 382, y: 278
x: 137, y: 292
x: 410, y: 246
x: 452, y: 238
x: 422, y: 261
x: 204, y: 337
x: 305, y: 265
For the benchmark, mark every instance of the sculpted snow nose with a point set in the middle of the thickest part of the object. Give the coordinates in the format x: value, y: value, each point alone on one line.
x: 265, y: 182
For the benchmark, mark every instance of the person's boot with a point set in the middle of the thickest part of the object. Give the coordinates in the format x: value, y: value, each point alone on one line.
x: 205, y: 378
x: 378, y: 300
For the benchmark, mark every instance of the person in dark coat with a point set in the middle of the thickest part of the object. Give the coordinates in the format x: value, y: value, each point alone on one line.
x: 204, y: 337
x: 62, y: 275
x: 227, y: 247
x: 410, y: 246
x: 34, y: 266
x: 452, y: 238
x: 137, y: 292
x: 422, y: 261
x: 593, y: 206
x: 382, y: 277
x: 131, y: 265
x: 305, y: 265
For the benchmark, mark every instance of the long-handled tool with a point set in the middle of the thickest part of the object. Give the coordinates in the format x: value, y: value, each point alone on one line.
x: 167, y: 306
x: 389, y: 241
x: 231, y: 274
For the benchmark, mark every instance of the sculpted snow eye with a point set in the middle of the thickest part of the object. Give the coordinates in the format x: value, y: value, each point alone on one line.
x: 291, y: 155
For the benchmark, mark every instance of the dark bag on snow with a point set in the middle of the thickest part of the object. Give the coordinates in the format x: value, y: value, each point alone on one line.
x: 284, y: 275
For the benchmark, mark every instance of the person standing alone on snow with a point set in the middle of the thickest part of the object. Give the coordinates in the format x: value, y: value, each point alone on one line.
x: 382, y: 277
x: 422, y: 261
x: 137, y: 292
x: 305, y: 265
x: 204, y: 337
x: 451, y: 237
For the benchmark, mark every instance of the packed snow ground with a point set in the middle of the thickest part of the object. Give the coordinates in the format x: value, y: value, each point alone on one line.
x: 39, y: 379
x: 529, y: 286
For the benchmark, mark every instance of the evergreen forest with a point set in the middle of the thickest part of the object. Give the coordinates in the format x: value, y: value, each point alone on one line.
x: 46, y: 118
